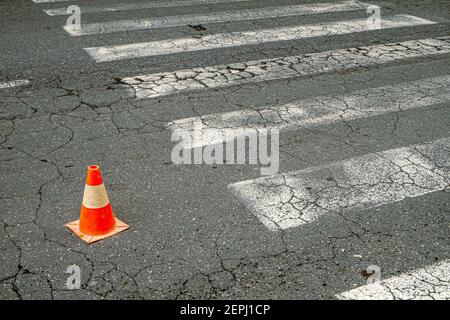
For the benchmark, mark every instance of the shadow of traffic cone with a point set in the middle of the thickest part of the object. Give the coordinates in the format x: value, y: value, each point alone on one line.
x: 97, y: 220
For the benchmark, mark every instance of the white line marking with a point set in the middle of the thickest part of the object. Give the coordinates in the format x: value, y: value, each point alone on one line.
x: 140, y: 6
x: 430, y: 283
x: 50, y: 1
x: 295, y: 198
x: 235, y: 39
x: 14, y: 83
x: 213, y: 17
x: 165, y: 83
x: 196, y: 131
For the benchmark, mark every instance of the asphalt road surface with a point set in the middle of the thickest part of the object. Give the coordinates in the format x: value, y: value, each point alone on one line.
x: 363, y: 113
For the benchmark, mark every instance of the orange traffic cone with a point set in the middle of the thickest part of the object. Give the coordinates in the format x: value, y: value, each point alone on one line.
x: 97, y: 220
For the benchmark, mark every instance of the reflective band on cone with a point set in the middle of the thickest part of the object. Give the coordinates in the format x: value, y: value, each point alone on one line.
x: 97, y: 220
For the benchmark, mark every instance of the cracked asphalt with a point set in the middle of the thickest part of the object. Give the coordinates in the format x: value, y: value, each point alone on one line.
x: 190, y: 236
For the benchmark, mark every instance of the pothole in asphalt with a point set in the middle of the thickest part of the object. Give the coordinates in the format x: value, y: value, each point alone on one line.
x: 197, y: 27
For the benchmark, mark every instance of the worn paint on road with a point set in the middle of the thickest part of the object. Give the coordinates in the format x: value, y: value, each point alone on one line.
x: 296, y: 198
x: 166, y: 83
x: 235, y: 39
x: 430, y: 283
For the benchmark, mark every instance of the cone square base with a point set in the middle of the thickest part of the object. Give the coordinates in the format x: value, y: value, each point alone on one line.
x: 74, y: 226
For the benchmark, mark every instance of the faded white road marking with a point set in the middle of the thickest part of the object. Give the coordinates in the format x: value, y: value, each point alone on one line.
x: 235, y: 39
x: 430, y: 283
x: 140, y: 6
x: 213, y: 17
x: 295, y: 198
x: 311, y: 112
x: 14, y: 83
x: 165, y: 83
x: 49, y: 1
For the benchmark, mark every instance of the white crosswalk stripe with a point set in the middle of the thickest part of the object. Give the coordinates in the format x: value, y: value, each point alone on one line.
x: 139, y: 6
x: 312, y: 112
x: 165, y: 83
x: 234, y: 39
x: 296, y: 198
x: 430, y: 283
x: 213, y: 17
x: 14, y: 83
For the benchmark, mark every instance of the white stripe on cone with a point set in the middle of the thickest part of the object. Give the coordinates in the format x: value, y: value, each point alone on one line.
x: 311, y: 112
x: 14, y: 83
x: 166, y: 83
x: 213, y: 17
x: 430, y: 283
x: 95, y: 197
x: 236, y: 39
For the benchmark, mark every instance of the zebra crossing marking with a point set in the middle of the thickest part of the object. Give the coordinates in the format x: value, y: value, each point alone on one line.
x: 296, y: 198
